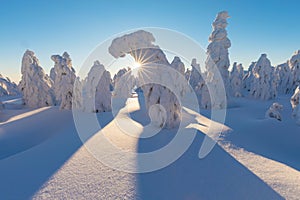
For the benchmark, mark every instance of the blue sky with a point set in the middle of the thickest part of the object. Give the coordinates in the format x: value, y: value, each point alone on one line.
x: 52, y: 27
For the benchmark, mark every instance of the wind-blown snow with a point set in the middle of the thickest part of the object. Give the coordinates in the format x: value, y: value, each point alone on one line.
x: 35, y: 85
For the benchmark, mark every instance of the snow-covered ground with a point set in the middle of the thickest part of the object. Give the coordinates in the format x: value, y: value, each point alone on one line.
x: 42, y: 157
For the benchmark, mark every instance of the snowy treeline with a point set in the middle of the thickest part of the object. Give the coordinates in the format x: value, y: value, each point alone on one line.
x: 7, y: 87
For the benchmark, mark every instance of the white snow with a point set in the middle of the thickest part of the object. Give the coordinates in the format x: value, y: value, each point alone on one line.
x: 294, y: 64
x: 96, y: 89
x: 7, y: 87
x: 155, y: 66
x: 295, y: 105
x: 35, y: 85
x: 64, y: 78
x: 284, y: 73
x: 236, y: 80
x: 274, y: 111
x: 264, y: 83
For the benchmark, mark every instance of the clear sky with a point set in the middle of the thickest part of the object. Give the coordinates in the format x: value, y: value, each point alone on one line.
x: 53, y: 26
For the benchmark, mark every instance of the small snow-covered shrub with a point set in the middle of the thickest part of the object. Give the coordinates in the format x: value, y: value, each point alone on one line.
x: 274, y: 111
x: 295, y: 105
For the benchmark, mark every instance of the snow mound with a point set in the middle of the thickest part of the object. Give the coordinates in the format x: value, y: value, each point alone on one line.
x: 274, y: 111
x: 35, y: 85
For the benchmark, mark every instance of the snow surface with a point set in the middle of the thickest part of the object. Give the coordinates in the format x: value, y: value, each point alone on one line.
x: 45, y: 161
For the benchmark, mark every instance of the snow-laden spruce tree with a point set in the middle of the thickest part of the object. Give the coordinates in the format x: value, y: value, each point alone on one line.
x: 295, y: 105
x: 178, y: 65
x: 217, y: 56
x: 236, y: 80
x: 64, y: 78
x: 7, y: 87
x: 119, y: 74
x: 285, y: 82
x: 294, y: 64
x: 35, y: 85
x: 274, y: 111
x: 248, y: 78
x: 196, y: 81
x: 156, y: 77
x: 263, y: 85
x: 97, y: 94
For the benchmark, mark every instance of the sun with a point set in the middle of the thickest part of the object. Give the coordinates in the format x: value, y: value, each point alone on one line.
x: 136, y: 64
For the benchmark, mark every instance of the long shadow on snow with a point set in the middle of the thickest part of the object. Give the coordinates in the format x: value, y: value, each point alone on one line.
x: 24, y: 173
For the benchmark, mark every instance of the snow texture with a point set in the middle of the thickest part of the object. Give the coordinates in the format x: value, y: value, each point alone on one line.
x: 285, y: 83
x: 140, y: 46
x: 64, y: 78
x: 274, y: 111
x: 236, y: 80
x: 295, y: 105
x: 35, y: 85
x: 7, y: 87
x: 217, y: 56
x: 97, y: 89
x: 264, y: 83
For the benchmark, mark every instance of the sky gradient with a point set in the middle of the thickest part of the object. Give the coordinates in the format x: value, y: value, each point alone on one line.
x: 52, y: 27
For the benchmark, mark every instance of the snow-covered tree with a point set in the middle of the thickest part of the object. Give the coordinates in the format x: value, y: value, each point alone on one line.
x: 178, y: 65
x: 157, y: 78
x: 97, y: 92
x: 64, y: 78
x: 77, y: 103
x: 248, y: 78
x: 35, y: 85
x: 119, y: 74
x: 285, y: 82
x: 263, y: 85
x: 217, y: 56
x: 274, y: 111
x: 7, y: 87
x: 197, y: 82
x: 236, y: 79
x: 294, y: 64
x: 295, y: 105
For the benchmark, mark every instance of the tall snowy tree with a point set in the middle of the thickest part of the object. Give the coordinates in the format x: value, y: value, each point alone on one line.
x: 285, y: 83
x: 217, y: 56
x: 295, y: 105
x: 248, y: 78
x: 64, y: 78
x: 97, y: 89
x: 35, y: 85
x: 263, y: 85
x: 294, y: 64
x: 236, y: 79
